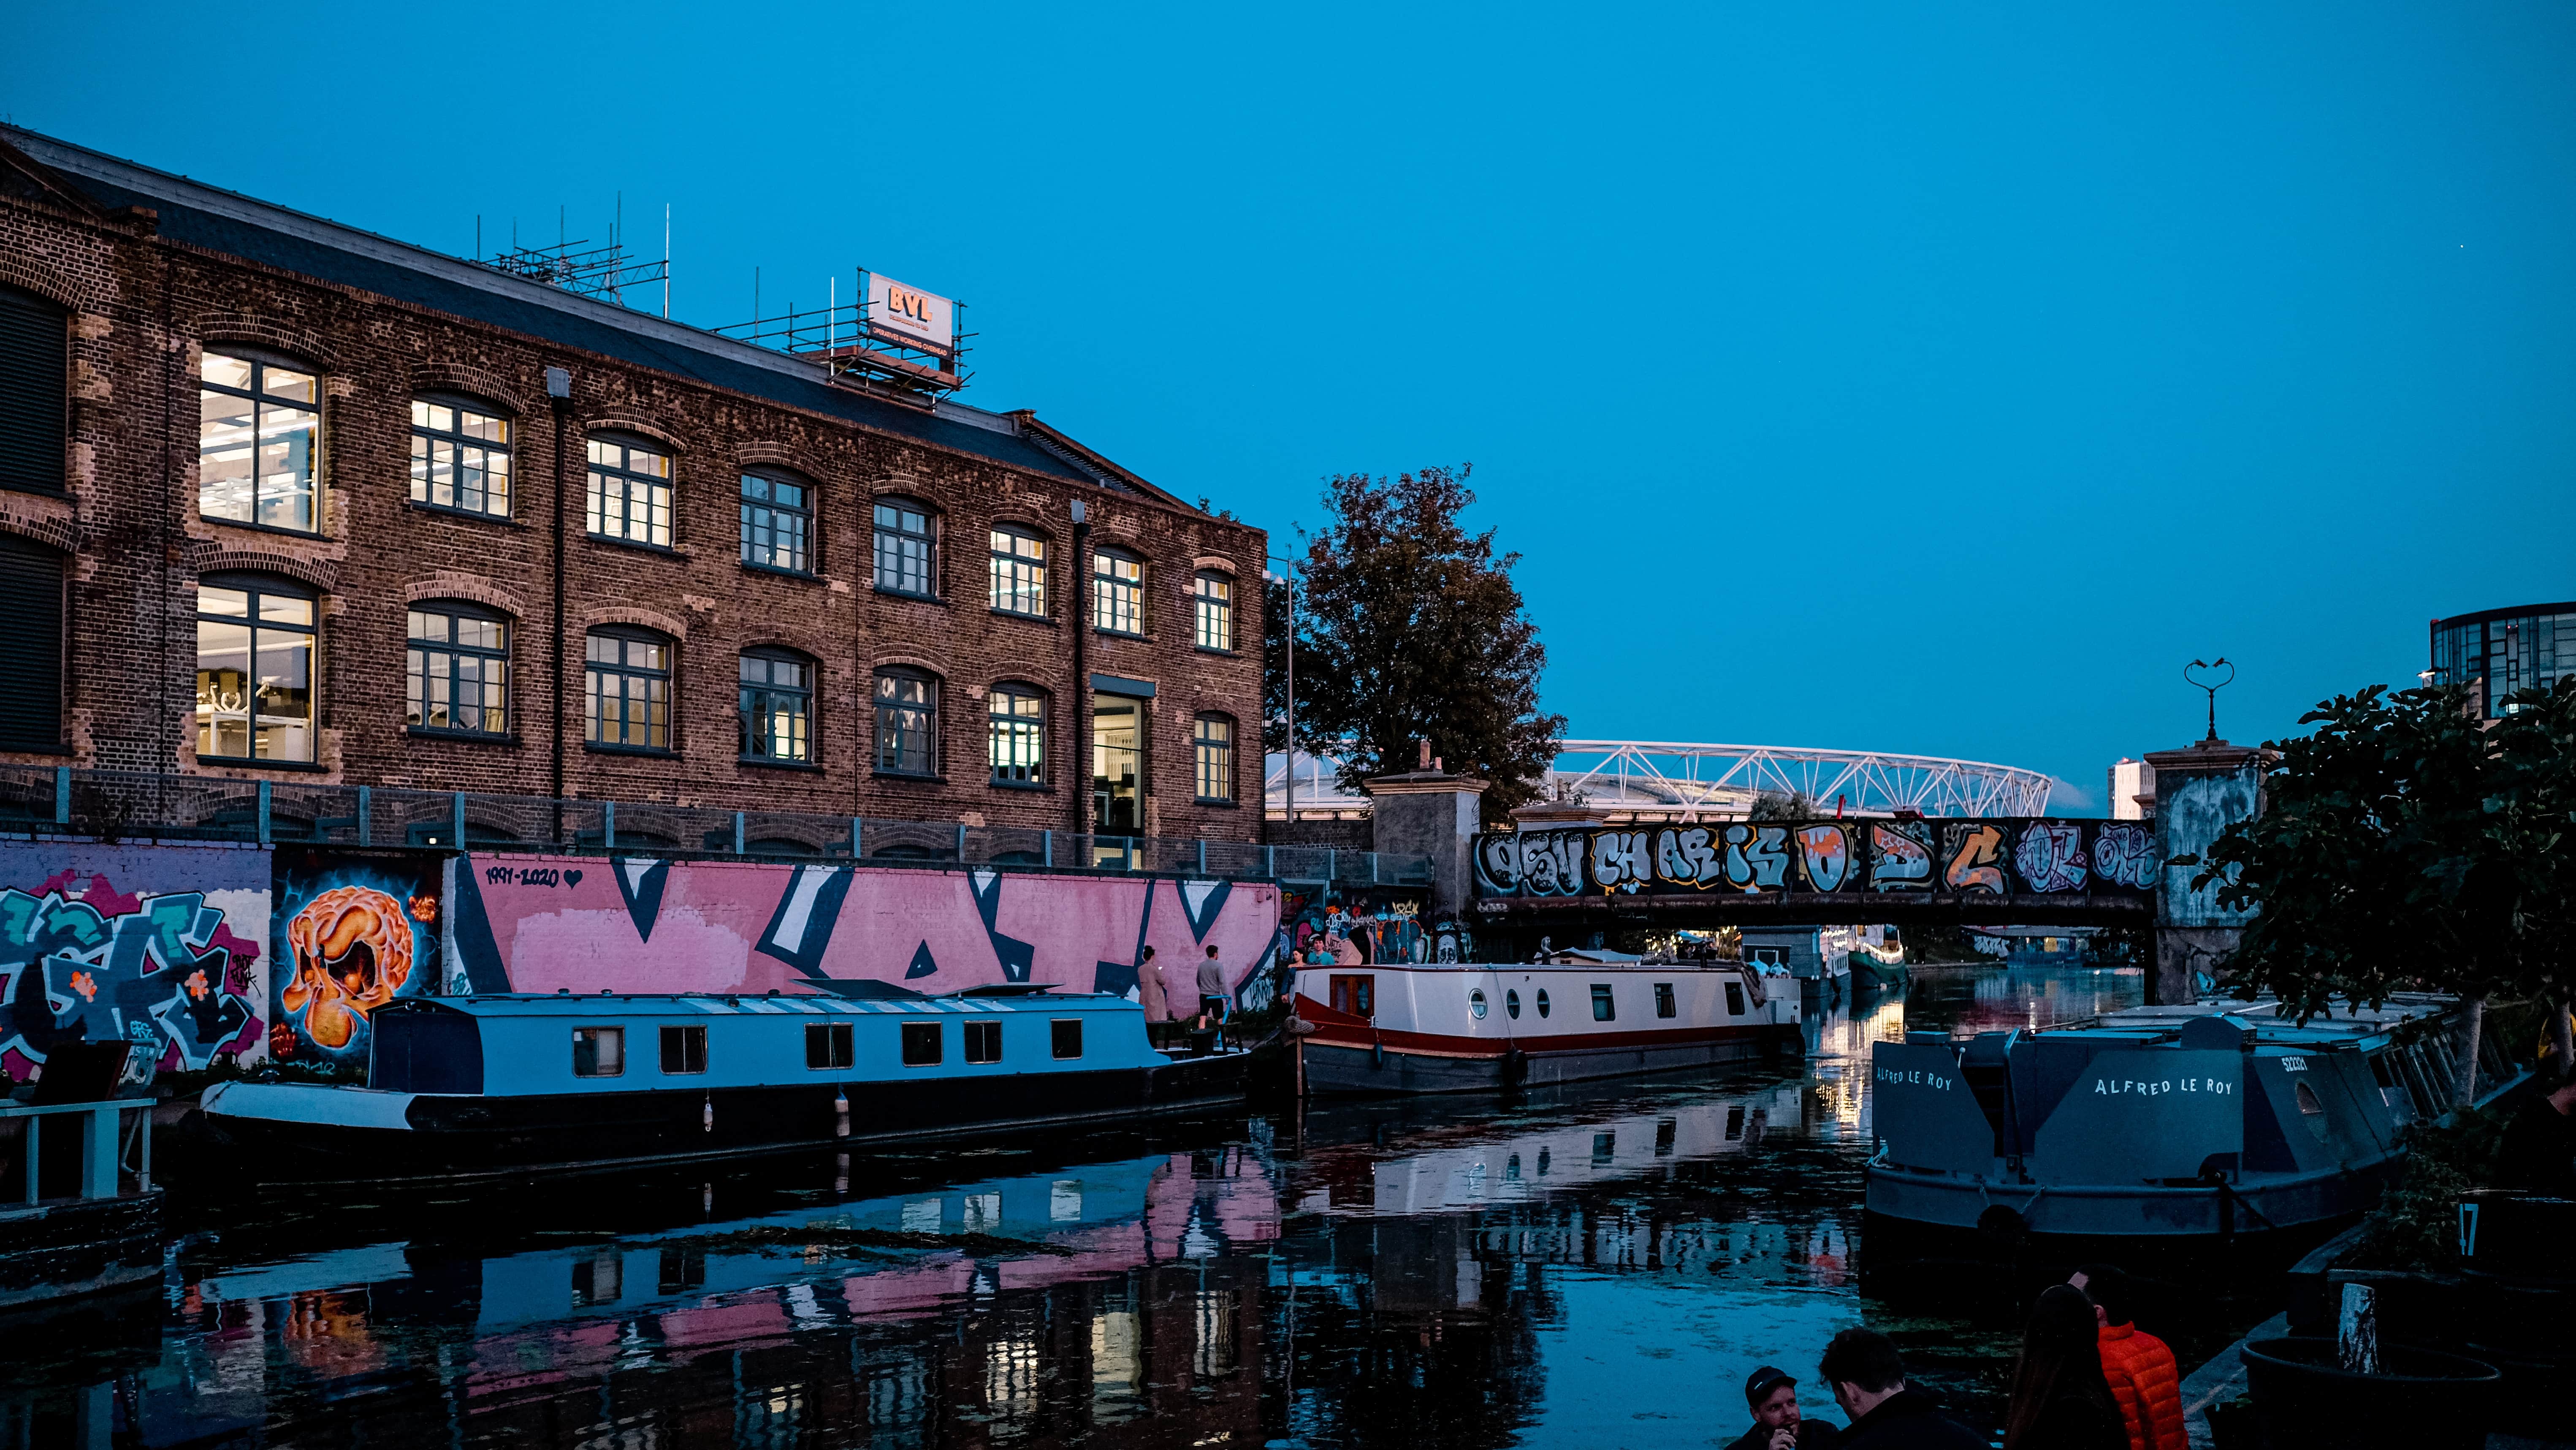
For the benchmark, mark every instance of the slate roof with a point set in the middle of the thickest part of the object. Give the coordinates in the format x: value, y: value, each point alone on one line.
x: 240, y: 226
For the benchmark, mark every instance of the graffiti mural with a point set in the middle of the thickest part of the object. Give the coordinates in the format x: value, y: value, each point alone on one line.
x: 2106, y: 861
x: 353, y: 930
x: 644, y: 924
x: 151, y: 944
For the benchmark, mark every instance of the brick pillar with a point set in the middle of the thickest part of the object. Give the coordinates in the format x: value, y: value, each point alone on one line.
x: 1428, y: 813
x: 2200, y: 792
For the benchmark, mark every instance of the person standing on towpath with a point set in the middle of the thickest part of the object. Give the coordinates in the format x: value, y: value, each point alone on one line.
x: 2059, y: 1398
x: 1868, y: 1379
x: 2139, y: 1367
x: 1777, y: 1425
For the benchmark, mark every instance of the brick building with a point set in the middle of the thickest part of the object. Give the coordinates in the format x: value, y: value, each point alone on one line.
x: 282, y: 499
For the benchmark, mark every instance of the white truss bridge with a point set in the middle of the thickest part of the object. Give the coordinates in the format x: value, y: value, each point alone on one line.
x: 1661, y: 779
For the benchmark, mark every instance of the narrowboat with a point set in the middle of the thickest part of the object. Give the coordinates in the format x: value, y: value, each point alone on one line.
x: 2217, y: 1121
x: 496, y: 1083
x: 1577, y: 1015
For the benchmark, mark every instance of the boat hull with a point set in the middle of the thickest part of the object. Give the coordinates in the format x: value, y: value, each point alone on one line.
x: 2303, y: 1205
x: 331, y: 1134
x: 1334, y: 1069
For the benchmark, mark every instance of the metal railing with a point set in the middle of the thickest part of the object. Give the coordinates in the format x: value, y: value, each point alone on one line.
x: 103, y: 1145
x: 138, y: 806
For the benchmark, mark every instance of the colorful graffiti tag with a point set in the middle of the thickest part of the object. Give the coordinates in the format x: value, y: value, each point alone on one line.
x: 155, y: 944
x: 354, y: 930
x: 644, y: 924
x: 1948, y: 859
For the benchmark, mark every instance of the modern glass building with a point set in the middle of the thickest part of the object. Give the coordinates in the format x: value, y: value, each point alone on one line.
x: 2504, y: 650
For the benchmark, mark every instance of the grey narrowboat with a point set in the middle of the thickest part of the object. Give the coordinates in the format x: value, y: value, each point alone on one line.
x: 499, y: 1083
x: 2220, y: 1121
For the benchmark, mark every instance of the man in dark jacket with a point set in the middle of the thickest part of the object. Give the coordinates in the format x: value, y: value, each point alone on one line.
x: 1868, y: 1378
x: 1777, y: 1425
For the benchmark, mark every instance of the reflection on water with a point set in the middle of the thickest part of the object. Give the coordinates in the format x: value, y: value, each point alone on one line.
x: 1587, y: 1266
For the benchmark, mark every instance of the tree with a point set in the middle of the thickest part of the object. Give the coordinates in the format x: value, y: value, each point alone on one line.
x: 1409, y: 628
x: 2405, y: 844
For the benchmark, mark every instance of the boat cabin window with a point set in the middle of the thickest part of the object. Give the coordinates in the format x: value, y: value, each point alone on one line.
x: 1512, y: 1004
x: 1664, y: 1000
x: 1355, y: 995
x: 827, y: 1045
x: 1542, y: 1001
x: 1068, y: 1038
x: 984, y: 1041
x: 2308, y: 1102
x: 599, y: 1052
x: 1735, y: 999
x: 921, y: 1044
x: 684, y: 1049
x: 1476, y: 1004
x: 1603, y: 1009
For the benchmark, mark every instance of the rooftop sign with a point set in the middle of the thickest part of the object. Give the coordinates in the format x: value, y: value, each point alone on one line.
x: 908, y: 314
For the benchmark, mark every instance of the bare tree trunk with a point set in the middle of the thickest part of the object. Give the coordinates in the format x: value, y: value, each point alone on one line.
x: 2562, y: 1050
x: 2469, y: 1060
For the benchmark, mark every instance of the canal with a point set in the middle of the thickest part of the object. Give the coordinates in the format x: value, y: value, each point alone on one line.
x: 1590, y: 1268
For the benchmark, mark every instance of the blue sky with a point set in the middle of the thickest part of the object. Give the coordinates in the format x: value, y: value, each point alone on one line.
x: 1914, y: 378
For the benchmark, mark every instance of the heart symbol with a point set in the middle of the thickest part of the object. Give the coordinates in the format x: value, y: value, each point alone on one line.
x: 572, y: 878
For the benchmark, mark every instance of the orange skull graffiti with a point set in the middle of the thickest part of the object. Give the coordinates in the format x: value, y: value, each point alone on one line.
x: 352, y: 953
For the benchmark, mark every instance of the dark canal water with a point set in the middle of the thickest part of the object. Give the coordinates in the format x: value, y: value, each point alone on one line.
x: 1591, y: 1269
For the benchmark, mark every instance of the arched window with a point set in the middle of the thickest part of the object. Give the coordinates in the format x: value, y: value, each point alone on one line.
x: 777, y: 523
x: 777, y: 707
x: 1212, y: 753
x: 630, y: 490
x: 1019, y: 571
x: 626, y: 687
x: 457, y: 669
x: 255, y: 643
x: 1017, y: 715
x: 1212, y: 610
x: 460, y: 456
x: 35, y: 390
x: 31, y: 645
x: 258, y: 427
x: 1117, y: 591
x: 907, y: 722
x: 907, y: 557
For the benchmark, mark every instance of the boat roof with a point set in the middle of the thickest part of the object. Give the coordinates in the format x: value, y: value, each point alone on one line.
x: 716, y: 1004
x: 2273, y: 1023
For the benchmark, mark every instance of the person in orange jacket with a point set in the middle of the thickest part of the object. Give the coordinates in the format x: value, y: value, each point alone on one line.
x: 2139, y: 1366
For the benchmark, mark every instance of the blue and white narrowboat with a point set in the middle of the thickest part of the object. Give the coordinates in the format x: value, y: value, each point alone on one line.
x: 2219, y: 1121
x: 507, y: 1082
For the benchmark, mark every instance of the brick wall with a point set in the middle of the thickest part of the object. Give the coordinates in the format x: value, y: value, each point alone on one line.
x: 145, y: 308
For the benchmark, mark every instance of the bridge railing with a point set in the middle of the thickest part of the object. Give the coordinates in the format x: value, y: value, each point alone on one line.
x: 138, y: 806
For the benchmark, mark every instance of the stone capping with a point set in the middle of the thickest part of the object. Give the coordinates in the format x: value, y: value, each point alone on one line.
x: 779, y: 455
x: 777, y: 634
x: 468, y: 380
x: 1218, y: 563
x: 258, y: 331
x: 1538, y: 815
x: 908, y: 660
x: 466, y: 587
x: 652, y: 619
x: 1429, y: 782
x: 2207, y: 757
x: 1021, y: 672
x: 322, y: 574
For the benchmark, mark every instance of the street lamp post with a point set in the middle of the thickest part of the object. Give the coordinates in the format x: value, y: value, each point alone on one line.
x: 1289, y: 767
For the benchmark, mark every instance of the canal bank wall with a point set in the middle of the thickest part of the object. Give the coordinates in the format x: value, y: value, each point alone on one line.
x: 225, y: 954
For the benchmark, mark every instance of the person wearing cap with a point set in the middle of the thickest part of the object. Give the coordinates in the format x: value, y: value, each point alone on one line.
x: 1773, y: 1397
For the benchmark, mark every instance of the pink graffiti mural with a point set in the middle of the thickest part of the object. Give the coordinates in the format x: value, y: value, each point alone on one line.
x: 537, y: 923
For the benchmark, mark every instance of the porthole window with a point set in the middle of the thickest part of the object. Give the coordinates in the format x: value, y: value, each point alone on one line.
x: 1512, y: 1004
x: 1542, y: 1001
x: 1476, y: 1004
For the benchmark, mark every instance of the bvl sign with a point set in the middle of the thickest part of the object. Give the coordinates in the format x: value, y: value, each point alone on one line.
x: 909, y: 314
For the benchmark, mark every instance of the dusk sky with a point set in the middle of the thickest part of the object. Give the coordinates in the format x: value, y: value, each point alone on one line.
x: 1916, y: 378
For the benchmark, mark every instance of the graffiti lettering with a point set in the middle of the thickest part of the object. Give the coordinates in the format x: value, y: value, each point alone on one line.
x: 1552, y: 863
x: 1826, y: 853
x: 1498, y: 864
x: 1688, y: 856
x: 1900, y: 860
x: 1619, y: 860
x: 2124, y: 854
x: 529, y: 876
x: 85, y: 962
x: 1974, y: 852
x: 2050, y: 856
x: 1757, y: 857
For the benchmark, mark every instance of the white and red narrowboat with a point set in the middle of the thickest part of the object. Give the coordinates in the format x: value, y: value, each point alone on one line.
x: 1397, y: 1027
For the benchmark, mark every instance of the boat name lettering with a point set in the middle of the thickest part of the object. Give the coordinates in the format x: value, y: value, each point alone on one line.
x: 1915, y: 1075
x: 2113, y: 1087
x: 2294, y: 1064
